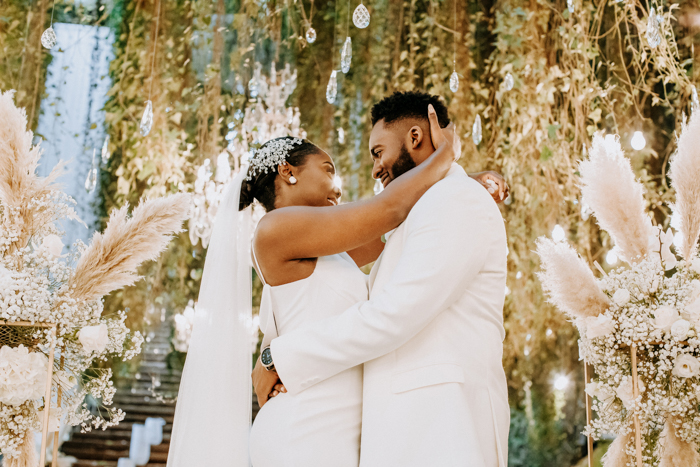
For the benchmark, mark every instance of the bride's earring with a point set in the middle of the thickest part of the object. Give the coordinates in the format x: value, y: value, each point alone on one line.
x: 293, y: 180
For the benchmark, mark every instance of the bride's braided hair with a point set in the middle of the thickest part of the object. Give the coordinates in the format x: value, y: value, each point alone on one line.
x: 261, y: 186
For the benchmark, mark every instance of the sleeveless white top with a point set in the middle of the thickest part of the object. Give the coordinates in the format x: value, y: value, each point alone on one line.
x: 319, y: 427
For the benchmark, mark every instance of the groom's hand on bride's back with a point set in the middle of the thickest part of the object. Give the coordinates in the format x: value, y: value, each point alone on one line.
x: 267, y: 384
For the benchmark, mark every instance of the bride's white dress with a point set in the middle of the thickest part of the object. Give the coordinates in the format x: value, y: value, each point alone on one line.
x: 318, y: 427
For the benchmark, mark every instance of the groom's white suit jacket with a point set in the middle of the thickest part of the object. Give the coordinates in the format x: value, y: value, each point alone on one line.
x: 430, y: 337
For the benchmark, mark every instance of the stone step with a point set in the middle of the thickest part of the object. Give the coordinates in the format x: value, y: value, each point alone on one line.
x: 97, y: 463
x: 141, y: 417
x: 115, y: 434
x: 151, y: 410
x: 127, y: 398
x: 112, y: 453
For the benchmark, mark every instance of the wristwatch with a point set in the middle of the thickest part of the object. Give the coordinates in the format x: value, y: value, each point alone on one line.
x: 266, y: 359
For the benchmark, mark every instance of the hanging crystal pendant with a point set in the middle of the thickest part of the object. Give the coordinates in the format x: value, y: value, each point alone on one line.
x: 653, y: 33
x: 476, y: 130
x: 360, y: 17
x: 694, y: 101
x: 310, y: 35
x: 346, y: 55
x: 91, y: 180
x: 48, y: 38
x: 332, y: 88
x: 147, y: 119
x: 105, y: 150
x: 378, y: 187
x: 508, y: 82
x: 570, y: 5
x: 454, y: 81
x: 253, y: 87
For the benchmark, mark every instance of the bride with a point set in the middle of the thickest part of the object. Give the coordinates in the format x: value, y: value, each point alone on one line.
x: 306, y: 251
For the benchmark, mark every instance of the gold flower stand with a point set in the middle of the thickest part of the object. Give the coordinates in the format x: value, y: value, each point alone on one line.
x: 16, y: 333
x: 588, y: 371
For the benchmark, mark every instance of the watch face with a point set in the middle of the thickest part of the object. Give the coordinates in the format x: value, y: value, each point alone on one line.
x: 266, y: 357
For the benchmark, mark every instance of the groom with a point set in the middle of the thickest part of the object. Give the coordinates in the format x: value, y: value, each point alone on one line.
x: 431, y: 334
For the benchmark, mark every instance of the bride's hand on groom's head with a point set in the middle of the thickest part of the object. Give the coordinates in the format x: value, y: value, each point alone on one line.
x: 494, y: 183
x: 442, y: 138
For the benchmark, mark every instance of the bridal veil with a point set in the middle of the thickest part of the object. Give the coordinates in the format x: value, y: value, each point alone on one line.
x: 213, y: 412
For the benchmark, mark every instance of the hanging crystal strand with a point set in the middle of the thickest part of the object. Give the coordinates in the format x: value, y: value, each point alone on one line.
x: 454, y: 77
x: 91, y: 180
x: 254, y: 83
x: 508, y: 82
x: 694, y: 102
x: 653, y: 33
x: 476, y: 130
x: 454, y: 81
x: 105, y: 150
x: 147, y: 118
x: 346, y: 55
x: 360, y: 17
x: 332, y: 88
x: 48, y: 37
x: 570, y: 5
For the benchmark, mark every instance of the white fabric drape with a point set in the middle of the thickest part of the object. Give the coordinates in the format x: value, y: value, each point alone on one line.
x: 213, y: 413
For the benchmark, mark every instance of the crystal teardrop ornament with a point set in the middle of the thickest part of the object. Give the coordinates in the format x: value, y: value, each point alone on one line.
x: 147, y: 119
x: 332, y: 88
x: 476, y: 130
x: 346, y: 55
x: 378, y: 187
x: 48, y: 38
x: 694, y: 101
x: 253, y: 87
x: 508, y: 82
x: 454, y: 82
x: 653, y: 33
x: 360, y: 17
x: 105, y: 150
x: 310, y: 35
x: 570, y: 5
x: 91, y: 180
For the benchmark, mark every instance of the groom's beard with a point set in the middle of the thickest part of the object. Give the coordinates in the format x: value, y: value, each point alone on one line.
x: 403, y: 163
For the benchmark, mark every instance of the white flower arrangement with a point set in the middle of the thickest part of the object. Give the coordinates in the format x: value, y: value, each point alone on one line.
x: 639, y: 324
x: 41, y: 285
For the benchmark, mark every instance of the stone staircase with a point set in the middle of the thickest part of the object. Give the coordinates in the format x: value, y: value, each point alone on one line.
x: 103, y: 448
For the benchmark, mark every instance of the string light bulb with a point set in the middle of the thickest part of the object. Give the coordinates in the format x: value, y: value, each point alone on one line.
x: 638, y: 142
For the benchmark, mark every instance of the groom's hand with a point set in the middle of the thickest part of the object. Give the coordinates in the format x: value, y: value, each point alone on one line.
x: 266, y: 383
x: 494, y: 183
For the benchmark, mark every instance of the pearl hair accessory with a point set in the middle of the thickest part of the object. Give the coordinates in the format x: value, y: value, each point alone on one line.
x: 293, y: 180
x: 272, y: 154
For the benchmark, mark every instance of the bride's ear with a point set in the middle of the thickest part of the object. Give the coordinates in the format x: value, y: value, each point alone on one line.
x: 415, y: 137
x: 286, y: 172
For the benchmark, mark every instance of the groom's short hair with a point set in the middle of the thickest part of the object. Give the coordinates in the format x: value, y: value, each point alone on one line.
x: 410, y: 104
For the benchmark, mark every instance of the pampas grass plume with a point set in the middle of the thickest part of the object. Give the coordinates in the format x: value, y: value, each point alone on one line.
x: 111, y: 260
x: 674, y: 451
x: 568, y: 281
x: 27, y: 455
x: 685, y: 178
x: 617, y: 199
x: 616, y: 456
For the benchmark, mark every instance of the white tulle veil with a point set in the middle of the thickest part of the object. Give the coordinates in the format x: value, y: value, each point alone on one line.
x: 213, y: 412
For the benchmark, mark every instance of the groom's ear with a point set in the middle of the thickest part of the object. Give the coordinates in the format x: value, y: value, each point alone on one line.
x: 416, y: 137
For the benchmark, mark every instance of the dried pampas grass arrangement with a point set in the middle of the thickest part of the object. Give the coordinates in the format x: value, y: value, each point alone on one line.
x: 685, y: 178
x: 617, y: 455
x: 617, y: 199
x: 27, y: 457
x: 110, y: 262
x: 674, y: 451
x: 568, y: 281
x: 19, y: 184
